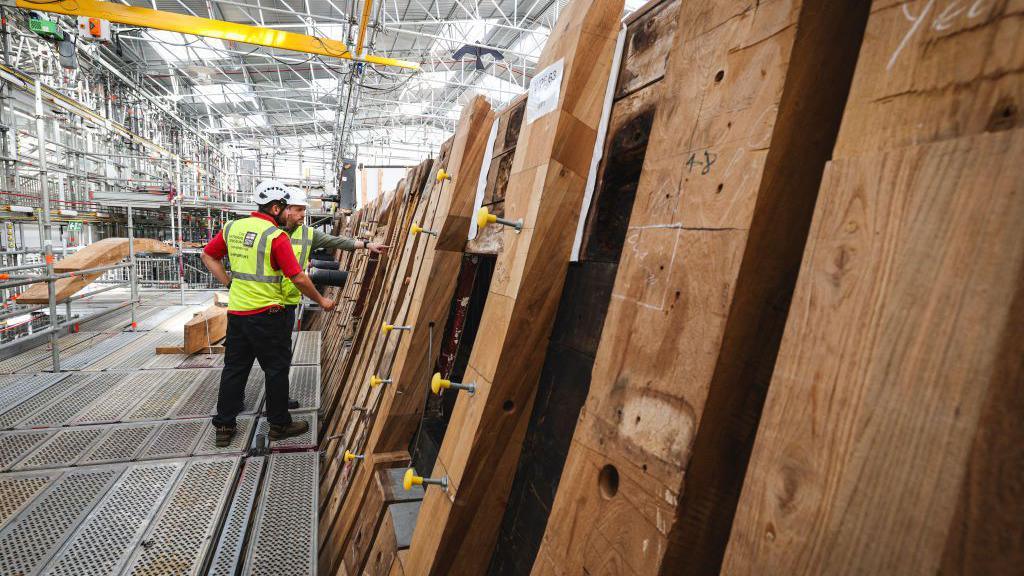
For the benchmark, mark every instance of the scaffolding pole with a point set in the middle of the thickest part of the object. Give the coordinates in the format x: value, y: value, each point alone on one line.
x: 181, y: 230
x: 44, y: 226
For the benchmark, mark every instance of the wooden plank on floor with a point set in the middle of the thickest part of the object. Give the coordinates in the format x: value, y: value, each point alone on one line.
x: 205, y: 329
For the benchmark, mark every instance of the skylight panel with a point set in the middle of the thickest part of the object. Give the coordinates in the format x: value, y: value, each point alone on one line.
x: 230, y: 93
x: 174, y: 47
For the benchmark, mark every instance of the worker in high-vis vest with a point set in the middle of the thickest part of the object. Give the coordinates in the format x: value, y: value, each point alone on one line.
x: 306, y: 240
x: 261, y: 256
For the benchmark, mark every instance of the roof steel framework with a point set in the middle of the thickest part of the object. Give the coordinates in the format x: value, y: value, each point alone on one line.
x: 297, y: 111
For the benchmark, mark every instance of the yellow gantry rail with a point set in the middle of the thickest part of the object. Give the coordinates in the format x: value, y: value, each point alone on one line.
x: 174, y: 22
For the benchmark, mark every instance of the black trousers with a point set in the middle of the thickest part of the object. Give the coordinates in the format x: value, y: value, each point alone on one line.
x: 289, y: 311
x: 265, y: 337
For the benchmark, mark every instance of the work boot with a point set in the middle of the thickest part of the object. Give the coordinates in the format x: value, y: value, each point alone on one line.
x: 224, y: 436
x: 295, y: 428
x: 293, y: 403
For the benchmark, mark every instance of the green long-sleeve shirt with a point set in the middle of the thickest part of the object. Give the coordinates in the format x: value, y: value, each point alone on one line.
x: 328, y: 242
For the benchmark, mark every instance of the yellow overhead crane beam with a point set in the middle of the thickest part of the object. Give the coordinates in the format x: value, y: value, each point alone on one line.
x: 174, y: 22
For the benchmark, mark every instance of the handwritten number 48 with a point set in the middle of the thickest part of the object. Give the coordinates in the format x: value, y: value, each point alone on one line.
x: 704, y: 162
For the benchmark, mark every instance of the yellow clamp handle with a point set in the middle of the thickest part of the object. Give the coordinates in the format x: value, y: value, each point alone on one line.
x: 442, y: 175
x: 437, y: 383
x: 349, y: 456
x: 375, y: 381
x: 415, y: 228
x: 484, y: 217
x: 411, y: 479
x: 385, y: 327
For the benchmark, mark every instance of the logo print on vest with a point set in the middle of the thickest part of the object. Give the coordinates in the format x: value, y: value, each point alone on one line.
x: 250, y: 239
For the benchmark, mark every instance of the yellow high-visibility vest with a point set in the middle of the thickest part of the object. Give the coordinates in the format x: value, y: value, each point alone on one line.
x: 302, y: 245
x: 254, y: 282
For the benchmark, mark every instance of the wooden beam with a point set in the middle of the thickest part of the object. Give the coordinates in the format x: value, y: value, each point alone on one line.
x: 712, y: 252
x: 205, y: 329
x: 892, y: 435
x: 105, y: 252
x: 457, y: 529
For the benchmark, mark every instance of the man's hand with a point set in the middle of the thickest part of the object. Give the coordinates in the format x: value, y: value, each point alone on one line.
x: 326, y: 304
x: 377, y: 248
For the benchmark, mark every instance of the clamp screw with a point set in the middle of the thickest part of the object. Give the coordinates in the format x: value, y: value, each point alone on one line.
x: 484, y: 217
x: 377, y: 381
x: 350, y: 456
x: 411, y: 479
x: 417, y: 229
x: 437, y: 384
x: 385, y: 327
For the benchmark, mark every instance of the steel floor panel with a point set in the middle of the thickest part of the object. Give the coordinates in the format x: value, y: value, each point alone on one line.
x: 203, y: 361
x: 160, y: 315
x: 164, y: 361
x: 65, y: 448
x: 306, y: 440
x: 132, y: 355
x: 170, y: 388
x: 179, y: 539
x: 103, y: 542
x: 16, y: 445
x: 175, y: 439
x: 22, y: 386
x: 287, y: 505
x: 304, y: 386
x: 41, y: 353
x: 121, y: 444
x: 32, y: 404
x: 118, y: 401
x: 306, y: 350
x: 65, y: 408
x: 228, y: 555
x: 80, y: 359
x: 31, y: 538
x: 17, y: 491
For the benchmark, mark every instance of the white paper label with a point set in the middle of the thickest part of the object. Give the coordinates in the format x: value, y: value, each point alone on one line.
x: 545, y: 89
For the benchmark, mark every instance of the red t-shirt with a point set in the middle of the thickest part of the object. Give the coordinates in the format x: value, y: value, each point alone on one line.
x: 282, y: 257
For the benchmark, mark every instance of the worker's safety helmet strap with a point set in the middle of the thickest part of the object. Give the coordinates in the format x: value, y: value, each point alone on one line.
x: 269, y: 191
x: 297, y: 197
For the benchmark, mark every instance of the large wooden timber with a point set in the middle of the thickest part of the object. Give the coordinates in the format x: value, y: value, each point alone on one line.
x: 456, y: 530
x: 892, y: 440
x: 424, y: 300
x: 105, y: 252
x: 711, y: 255
x: 205, y: 329
x: 565, y: 378
x: 510, y: 120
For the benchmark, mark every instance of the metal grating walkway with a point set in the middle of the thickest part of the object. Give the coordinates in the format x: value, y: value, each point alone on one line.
x: 109, y: 467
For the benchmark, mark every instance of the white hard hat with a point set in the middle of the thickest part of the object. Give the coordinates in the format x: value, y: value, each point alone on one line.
x: 297, y: 197
x: 268, y: 191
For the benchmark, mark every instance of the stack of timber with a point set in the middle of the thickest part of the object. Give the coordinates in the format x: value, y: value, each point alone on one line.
x: 892, y: 440
x: 384, y: 419
x: 751, y: 101
x: 105, y: 252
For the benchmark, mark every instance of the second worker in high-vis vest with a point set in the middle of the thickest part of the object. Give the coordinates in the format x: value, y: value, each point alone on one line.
x: 306, y: 240
x: 261, y: 256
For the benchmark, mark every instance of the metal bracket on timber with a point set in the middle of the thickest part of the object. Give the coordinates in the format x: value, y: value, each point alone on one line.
x: 428, y: 298
x: 457, y: 529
